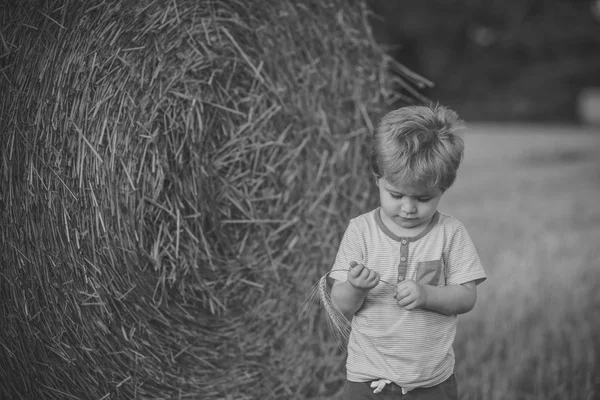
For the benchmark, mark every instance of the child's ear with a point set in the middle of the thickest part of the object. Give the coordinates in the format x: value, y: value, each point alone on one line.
x: 376, y: 179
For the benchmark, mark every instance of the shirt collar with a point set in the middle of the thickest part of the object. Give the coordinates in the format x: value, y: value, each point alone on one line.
x: 397, y: 238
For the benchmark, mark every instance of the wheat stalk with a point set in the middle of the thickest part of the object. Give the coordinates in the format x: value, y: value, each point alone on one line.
x: 338, y: 324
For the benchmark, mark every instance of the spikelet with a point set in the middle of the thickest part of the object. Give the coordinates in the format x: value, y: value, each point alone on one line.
x: 338, y: 325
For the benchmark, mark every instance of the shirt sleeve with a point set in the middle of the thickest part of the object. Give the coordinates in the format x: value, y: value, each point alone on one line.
x: 462, y: 261
x: 350, y: 250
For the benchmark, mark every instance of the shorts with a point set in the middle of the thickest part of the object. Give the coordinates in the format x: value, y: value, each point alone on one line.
x: 447, y: 390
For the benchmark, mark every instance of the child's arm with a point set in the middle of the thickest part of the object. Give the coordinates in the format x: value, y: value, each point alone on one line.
x: 349, y: 296
x: 447, y: 300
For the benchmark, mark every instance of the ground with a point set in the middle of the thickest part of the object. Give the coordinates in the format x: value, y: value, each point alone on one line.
x: 529, y: 196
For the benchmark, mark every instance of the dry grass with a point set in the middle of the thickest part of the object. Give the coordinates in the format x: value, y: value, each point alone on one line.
x: 175, y: 176
x: 528, y: 195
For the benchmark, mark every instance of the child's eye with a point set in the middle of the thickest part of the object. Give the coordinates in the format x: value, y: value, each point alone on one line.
x: 419, y: 199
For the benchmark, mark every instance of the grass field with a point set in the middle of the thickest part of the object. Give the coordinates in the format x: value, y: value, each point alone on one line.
x: 530, y: 197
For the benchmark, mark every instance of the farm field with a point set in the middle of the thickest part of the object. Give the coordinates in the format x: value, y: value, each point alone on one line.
x: 530, y: 197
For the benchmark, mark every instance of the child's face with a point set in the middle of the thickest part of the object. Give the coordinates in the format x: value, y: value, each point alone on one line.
x: 408, y: 206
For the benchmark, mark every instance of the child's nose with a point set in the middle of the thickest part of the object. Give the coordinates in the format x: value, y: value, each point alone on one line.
x: 408, y: 205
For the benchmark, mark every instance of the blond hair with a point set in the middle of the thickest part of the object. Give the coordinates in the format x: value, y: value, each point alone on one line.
x: 418, y: 145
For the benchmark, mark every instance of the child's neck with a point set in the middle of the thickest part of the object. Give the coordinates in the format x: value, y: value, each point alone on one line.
x: 400, y: 231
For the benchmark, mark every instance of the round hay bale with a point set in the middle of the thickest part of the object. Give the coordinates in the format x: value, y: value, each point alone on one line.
x: 175, y: 176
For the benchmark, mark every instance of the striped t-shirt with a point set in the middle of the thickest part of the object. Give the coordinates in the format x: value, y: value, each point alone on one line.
x: 410, y: 348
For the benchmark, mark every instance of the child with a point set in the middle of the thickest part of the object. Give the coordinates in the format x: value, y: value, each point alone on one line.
x: 410, y: 269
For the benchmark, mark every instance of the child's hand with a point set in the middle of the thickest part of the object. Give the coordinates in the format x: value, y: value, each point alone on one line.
x: 410, y: 295
x: 361, y: 277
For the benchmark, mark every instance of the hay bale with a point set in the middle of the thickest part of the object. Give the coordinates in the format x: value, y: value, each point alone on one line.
x: 175, y: 176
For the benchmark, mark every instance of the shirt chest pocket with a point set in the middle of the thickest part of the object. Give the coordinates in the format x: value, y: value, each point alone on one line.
x: 430, y: 272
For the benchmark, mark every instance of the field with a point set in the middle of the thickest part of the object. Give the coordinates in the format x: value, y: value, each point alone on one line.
x: 530, y: 197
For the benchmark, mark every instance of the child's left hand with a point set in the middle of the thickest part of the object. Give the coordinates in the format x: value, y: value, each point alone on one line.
x: 410, y: 295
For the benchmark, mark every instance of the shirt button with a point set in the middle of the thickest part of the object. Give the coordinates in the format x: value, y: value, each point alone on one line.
x: 400, y: 277
x: 402, y: 258
x: 403, y: 241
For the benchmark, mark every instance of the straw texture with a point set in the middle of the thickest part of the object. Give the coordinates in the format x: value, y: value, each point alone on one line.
x: 174, y: 177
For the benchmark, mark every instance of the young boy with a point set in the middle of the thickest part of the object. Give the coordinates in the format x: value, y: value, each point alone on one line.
x: 401, y: 341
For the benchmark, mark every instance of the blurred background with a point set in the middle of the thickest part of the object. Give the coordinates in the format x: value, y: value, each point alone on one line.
x: 499, y: 60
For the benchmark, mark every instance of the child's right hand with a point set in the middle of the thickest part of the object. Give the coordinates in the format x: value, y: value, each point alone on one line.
x: 361, y: 277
